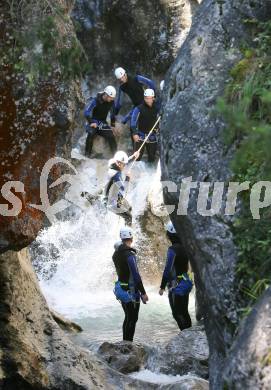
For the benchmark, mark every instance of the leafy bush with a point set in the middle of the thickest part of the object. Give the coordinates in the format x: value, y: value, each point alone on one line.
x: 246, y: 108
x: 44, y: 42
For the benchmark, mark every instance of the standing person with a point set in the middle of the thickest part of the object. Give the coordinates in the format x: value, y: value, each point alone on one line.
x: 133, y: 87
x: 143, y: 119
x: 129, y: 287
x: 96, y: 112
x: 115, y: 189
x: 176, y: 278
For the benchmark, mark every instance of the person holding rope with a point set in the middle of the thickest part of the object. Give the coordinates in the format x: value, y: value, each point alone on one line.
x: 96, y: 112
x: 129, y: 288
x: 116, y: 187
x: 144, y: 126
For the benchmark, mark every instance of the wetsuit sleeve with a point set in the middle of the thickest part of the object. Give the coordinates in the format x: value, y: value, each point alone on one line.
x: 144, y: 80
x: 134, y: 120
x: 88, y: 112
x: 113, y: 115
x: 158, y: 105
x: 168, y: 267
x: 127, y: 117
x: 135, y: 274
x: 118, y: 103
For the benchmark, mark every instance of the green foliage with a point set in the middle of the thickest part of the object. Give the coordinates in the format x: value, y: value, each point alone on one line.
x: 247, y: 112
x: 46, y: 44
x: 266, y: 361
x: 257, y: 289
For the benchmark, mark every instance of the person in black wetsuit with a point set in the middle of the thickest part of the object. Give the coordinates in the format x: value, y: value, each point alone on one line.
x: 176, y: 268
x: 133, y: 87
x: 143, y: 119
x: 129, y: 287
x: 96, y: 112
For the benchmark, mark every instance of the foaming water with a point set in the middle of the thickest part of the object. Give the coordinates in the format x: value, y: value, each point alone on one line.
x: 81, y: 283
x: 153, y: 377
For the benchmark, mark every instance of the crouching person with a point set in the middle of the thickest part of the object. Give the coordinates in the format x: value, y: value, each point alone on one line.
x: 176, y: 278
x: 129, y: 287
x: 96, y: 112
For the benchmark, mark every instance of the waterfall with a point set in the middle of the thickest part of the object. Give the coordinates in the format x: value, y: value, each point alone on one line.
x: 74, y: 260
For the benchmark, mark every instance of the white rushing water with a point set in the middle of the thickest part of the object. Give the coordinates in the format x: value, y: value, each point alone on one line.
x: 77, y: 254
x: 153, y: 377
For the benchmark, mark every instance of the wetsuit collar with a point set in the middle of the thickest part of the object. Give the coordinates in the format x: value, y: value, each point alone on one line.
x: 124, y: 247
x: 146, y: 105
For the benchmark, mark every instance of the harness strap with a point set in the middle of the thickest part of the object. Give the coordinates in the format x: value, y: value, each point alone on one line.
x: 121, y: 283
x: 182, y: 277
x: 152, y: 137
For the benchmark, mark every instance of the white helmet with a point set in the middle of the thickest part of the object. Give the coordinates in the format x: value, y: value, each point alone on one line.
x: 110, y: 91
x: 170, y: 228
x: 162, y: 84
x: 149, y: 92
x: 126, y: 232
x: 119, y: 73
x: 110, y: 162
x: 121, y: 156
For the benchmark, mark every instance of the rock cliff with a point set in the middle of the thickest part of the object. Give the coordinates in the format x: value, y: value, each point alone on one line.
x: 193, y: 146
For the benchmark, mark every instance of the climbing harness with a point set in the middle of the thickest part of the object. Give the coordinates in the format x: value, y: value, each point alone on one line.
x: 152, y: 139
x: 104, y: 126
x: 124, y: 296
x: 183, y: 285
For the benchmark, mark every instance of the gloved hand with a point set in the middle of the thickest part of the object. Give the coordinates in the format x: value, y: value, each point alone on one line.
x: 144, y: 298
x: 136, y: 155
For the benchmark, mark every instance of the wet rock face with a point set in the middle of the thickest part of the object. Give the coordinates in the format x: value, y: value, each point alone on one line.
x: 35, y: 353
x: 125, y: 357
x: 249, y: 361
x: 192, y: 145
x: 65, y: 324
x: 141, y: 36
x: 188, y: 383
x: 153, y: 251
x: 187, y: 352
x: 36, y: 124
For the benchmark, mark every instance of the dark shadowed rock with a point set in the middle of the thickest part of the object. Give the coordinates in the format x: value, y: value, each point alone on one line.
x: 249, y: 361
x: 192, y: 145
x: 123, y: 356
x: 117, y: 33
